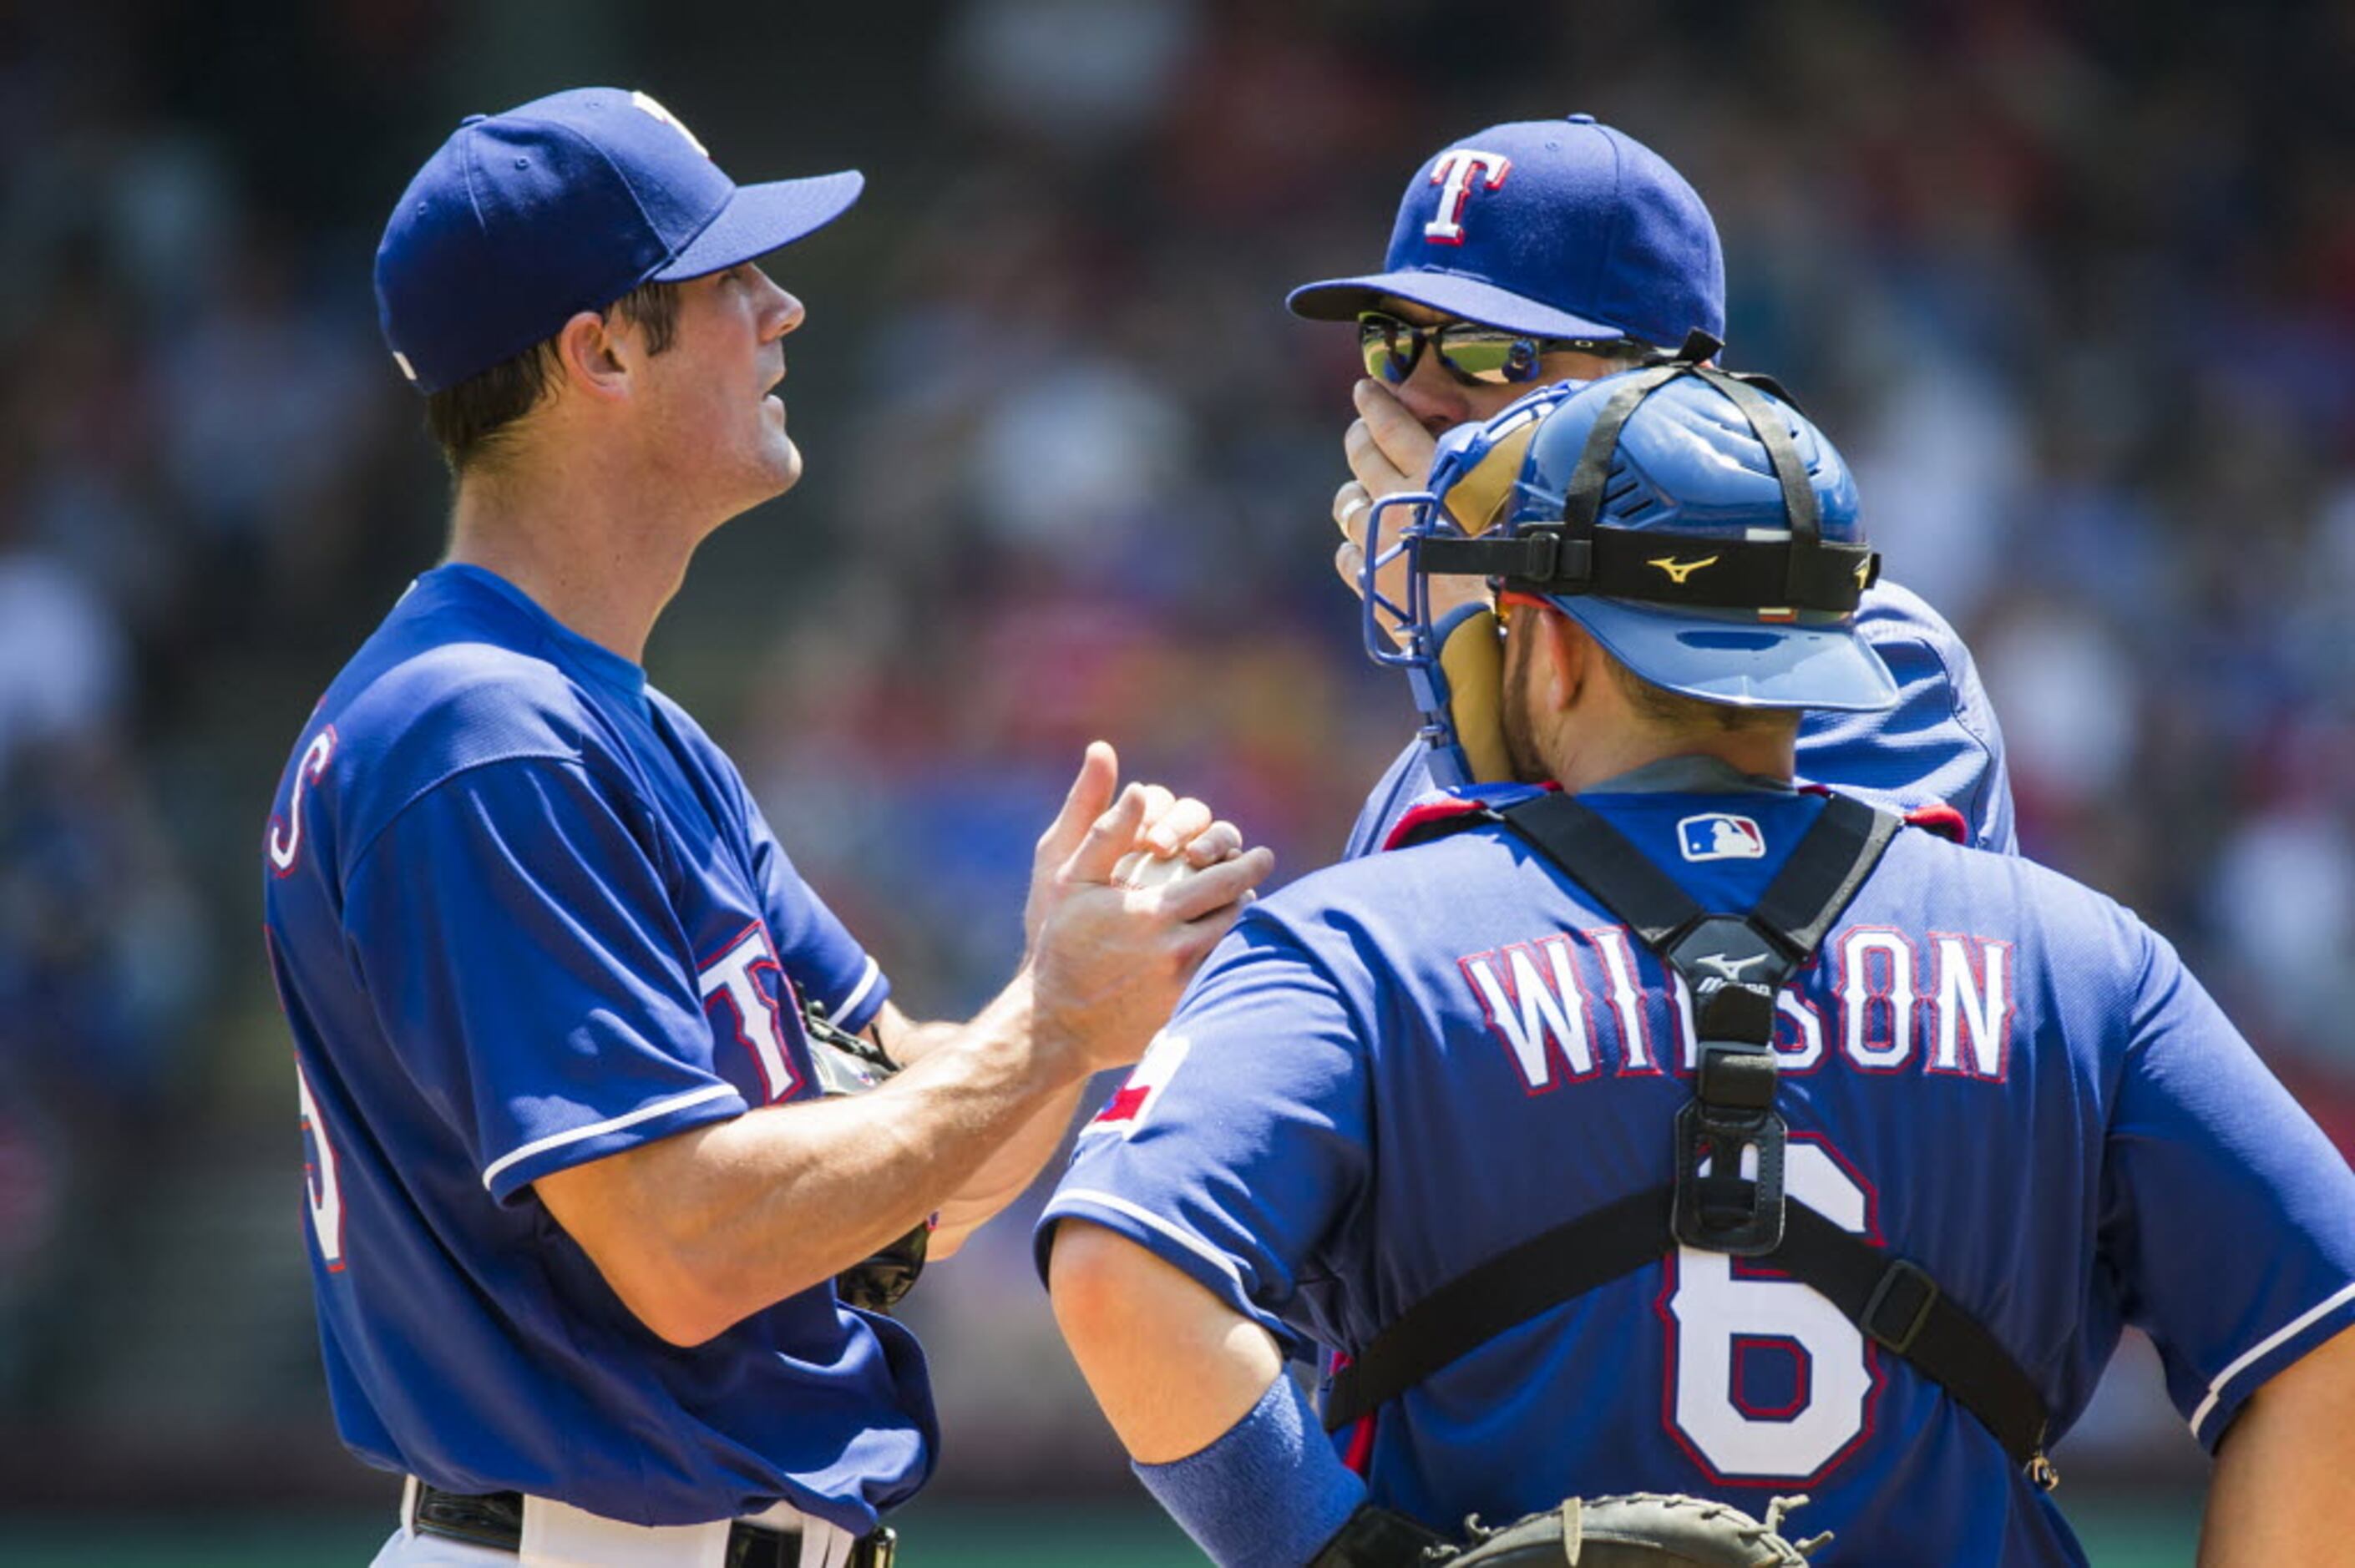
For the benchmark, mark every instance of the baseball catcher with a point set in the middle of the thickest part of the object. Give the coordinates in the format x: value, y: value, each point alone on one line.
x: 1622, y: 1128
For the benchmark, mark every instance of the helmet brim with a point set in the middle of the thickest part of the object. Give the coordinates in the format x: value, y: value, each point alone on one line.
x: 1737, y: 660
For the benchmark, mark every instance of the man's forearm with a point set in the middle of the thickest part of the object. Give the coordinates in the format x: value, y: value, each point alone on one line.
x: 1172, y: 1365
x: 698, y: 1231
x: 1002, y: 1177
x: 1222, y: 1438
x: 1006, y: 1172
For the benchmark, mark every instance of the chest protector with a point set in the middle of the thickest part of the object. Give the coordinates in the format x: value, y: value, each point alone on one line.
x: 1734, y: 965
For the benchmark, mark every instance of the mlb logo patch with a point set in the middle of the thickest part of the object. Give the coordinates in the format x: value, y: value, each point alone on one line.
x: 1720, y: 835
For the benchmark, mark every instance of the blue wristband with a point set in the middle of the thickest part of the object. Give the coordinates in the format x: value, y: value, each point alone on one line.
x: 1269, y: 1493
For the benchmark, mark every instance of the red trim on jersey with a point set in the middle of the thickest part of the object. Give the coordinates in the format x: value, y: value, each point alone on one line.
x: 1358, y: 1447
x: 1803, y: 1372
x: 1429, y: 812
x: 1447, y: 809
x: 1941, y: 819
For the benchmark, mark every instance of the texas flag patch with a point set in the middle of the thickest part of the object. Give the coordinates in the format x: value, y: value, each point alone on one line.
x: 1126, y: 1110
x: 1720, y: 835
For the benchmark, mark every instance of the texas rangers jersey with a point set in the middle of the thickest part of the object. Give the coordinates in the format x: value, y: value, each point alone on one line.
x: 522, y: 915
x: 1393, y: 1070
x: 1939, y: 745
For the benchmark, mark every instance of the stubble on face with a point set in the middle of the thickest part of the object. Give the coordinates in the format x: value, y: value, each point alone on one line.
x: 717, y: 429
x: 1517, y: 709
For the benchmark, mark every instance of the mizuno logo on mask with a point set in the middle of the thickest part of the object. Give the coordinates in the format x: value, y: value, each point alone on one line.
x: 1679, y: 570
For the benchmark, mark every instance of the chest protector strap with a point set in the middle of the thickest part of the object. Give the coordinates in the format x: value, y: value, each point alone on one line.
x: 1734, y: 967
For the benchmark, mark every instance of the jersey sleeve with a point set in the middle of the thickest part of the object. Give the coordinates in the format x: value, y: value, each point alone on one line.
x: 1239, y: 1143
x: 817, y: 951
x: 1940, y: 743
x: 518, y: 945
x: 2228, y: 1214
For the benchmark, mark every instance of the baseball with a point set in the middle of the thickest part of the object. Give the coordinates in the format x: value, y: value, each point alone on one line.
x: 1142, y: 869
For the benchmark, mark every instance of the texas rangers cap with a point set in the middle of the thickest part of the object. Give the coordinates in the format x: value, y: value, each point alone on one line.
x: 566, y: 204
x: 1556, y: 228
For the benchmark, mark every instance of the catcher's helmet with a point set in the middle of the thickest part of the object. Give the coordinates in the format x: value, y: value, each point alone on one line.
x: 1702, y: 529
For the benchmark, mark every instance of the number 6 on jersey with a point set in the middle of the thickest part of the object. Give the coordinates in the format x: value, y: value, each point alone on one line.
x: 1714, y: 1314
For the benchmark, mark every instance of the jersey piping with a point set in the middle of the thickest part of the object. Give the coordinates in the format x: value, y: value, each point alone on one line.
x: 848, y: 1006
x: 611, y: 1124
x: 2258, y: 1351
x: 1153, y: 1222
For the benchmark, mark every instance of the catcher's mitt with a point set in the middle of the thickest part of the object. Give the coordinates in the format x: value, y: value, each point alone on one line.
x: 1645, y: 1529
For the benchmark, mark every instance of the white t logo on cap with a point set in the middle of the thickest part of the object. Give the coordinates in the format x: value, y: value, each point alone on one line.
x: 1456, y: 169
x: 647, y: 103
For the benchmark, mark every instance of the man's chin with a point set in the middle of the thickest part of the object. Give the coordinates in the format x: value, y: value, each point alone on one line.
x: 785, y: 468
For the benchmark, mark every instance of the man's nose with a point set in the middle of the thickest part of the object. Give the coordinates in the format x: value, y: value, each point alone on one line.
x: 782, y: 312
x: 1433, y: 397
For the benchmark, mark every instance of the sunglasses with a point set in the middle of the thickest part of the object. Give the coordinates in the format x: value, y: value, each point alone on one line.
x: 1476, y: 356
x: 1511, y: 599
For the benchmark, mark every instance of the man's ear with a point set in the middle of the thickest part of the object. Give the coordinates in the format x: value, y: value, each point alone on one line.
x: 591, y: 356
x: 1568, y: 655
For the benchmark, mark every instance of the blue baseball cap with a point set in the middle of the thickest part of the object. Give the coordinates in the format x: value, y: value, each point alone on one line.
x: 523, y: 219
x: 1554, y: 227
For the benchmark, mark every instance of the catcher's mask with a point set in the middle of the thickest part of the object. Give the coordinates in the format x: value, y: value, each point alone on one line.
x: 1693, y: 520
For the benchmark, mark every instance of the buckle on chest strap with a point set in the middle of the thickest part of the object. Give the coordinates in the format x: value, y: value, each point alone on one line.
x: 1905, y: 1294
x: 1721, y: 1208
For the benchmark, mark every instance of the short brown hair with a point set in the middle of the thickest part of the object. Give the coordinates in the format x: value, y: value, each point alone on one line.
x: 472, y: 421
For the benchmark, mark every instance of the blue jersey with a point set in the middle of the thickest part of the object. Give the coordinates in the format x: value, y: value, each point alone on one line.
x: 522, y: 915
x: 1939, y: 746
x: 1393, y: 1070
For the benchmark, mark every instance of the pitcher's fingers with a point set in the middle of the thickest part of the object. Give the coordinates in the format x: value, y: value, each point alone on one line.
x: 1350, y: 562
x: 1109, y: 837
x: 1372, y: 465
x: 1090, y: 797
x: 1403, y: 441
x: 1159, y: 799
x: 1191, y: 897
x: 1352, y: 503
x: 1203, y: 932
x: 1177, y: 826
x: 1219, y: 840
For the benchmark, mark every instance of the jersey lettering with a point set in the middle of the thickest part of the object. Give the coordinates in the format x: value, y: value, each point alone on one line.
x: 322, y: 1183
x: 1458, y: 169
x: 284, y: 844
x: 760, y: 1028
x: 1610, y: 945
x: 1876, y: 992
x: 1973, y: 997
x: 1560, y: 1004
x: 1541, y: 1014
x: 1688, y: 1036
x: 1798, y: 1048
x: 1731, y: 1332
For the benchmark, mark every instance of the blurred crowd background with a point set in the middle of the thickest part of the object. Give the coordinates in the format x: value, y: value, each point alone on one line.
x: 2071, y: 283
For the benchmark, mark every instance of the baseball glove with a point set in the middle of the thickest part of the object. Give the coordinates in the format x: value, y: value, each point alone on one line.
x: 1645, y: 1529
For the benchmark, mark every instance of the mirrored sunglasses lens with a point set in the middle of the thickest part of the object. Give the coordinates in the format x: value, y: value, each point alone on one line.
x: 1496, y: 360
x: 1388, y: 348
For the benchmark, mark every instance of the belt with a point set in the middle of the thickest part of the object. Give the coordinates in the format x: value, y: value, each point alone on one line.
x: 495, y: 1520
